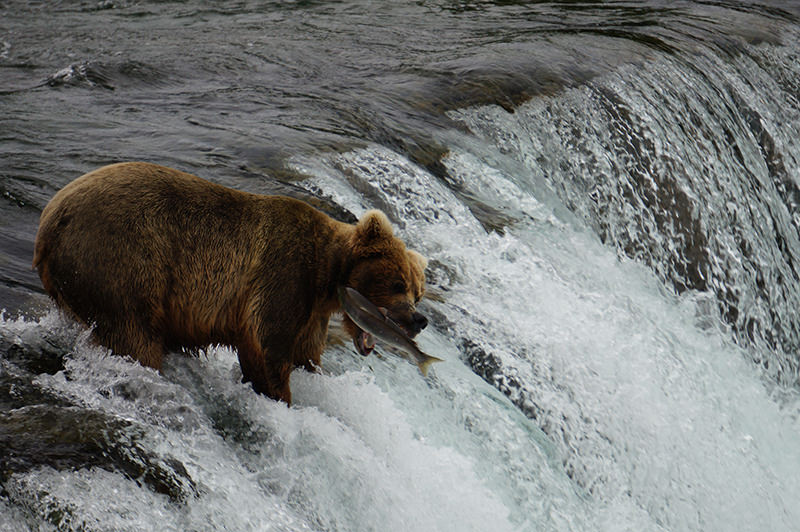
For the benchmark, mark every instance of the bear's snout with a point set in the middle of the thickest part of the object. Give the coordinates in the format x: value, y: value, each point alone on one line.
x: 418, y: 322
x: 406, y: 317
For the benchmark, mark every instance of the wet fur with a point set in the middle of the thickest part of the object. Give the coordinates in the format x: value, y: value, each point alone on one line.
x: 155, y: 259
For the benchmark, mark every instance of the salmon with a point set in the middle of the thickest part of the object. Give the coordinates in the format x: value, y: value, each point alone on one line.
x: 375, y: 322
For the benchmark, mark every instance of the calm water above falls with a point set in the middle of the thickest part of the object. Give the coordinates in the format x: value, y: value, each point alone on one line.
x: 608, y: 195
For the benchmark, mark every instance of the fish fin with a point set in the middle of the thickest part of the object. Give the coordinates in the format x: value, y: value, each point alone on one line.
x: 425, y: 364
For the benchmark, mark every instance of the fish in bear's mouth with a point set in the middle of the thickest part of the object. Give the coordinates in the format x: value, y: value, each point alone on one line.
x: 368, y: 320
x: 365, y: 342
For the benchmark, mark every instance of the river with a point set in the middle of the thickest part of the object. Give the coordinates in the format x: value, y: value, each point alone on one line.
x: 609, y: 196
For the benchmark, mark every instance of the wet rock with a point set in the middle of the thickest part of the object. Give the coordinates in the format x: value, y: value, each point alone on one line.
x: 280, y: 182
x: 86, y: 74
x: 71, y: 438
x: 41, y: 429
x: 489, y: 367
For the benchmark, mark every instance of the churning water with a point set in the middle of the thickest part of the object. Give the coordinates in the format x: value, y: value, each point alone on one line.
x: 609, y: 196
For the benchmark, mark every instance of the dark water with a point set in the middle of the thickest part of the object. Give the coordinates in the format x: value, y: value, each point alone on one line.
x: 610, y: 199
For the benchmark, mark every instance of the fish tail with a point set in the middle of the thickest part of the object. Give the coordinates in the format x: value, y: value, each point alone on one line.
x: 424, y: 364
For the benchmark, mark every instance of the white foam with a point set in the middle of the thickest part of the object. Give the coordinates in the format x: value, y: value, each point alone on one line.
x: 659, y: 419
x: 343, y: 458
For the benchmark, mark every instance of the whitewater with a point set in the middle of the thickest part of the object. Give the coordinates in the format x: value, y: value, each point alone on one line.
x: 611, y: 285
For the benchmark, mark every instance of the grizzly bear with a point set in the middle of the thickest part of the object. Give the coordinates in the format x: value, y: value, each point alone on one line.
x: 155, y: 259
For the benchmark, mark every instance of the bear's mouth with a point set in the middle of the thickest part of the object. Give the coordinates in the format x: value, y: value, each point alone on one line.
x: 364, y: 342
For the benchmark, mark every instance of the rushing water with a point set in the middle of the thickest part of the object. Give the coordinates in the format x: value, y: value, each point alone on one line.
x: 609, y: 196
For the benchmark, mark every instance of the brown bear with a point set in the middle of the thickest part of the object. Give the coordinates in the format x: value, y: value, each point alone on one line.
x: 155, y: 259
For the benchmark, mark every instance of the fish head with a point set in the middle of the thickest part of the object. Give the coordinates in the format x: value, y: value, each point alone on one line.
x: 388, y: 275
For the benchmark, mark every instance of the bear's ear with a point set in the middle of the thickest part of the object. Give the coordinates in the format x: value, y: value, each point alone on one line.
x: 372, y: 227
x: 417, y: 259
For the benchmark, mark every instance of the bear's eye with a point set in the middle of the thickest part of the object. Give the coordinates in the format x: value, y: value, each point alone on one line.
x: 399, y: 287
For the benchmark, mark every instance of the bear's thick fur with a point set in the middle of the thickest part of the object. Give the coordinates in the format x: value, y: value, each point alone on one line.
x: 155, y: 259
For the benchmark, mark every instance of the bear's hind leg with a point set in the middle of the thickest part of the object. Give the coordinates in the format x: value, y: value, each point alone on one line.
x: 134, y: 341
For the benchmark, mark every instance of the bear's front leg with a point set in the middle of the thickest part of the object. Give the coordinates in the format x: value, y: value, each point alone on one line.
x: 267, y: 375
x: 307, y: 351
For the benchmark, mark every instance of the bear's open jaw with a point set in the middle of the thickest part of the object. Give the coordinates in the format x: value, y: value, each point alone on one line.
x: 364, y: 342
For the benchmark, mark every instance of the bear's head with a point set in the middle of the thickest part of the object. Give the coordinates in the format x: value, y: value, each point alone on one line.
x: 389, y: 275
